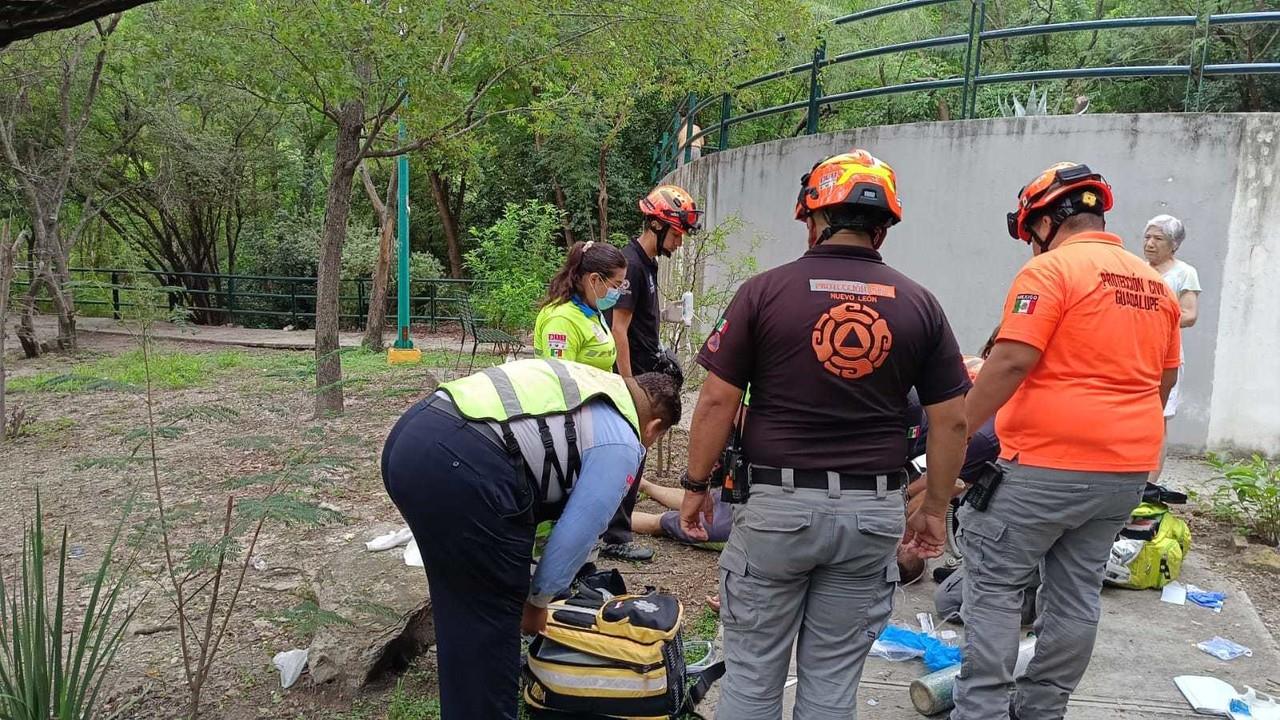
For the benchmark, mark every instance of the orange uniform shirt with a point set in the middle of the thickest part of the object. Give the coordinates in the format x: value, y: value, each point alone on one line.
x: 1107, y: 326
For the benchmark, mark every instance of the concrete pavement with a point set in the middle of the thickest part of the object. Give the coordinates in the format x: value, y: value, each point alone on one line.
x: 1142, y: 645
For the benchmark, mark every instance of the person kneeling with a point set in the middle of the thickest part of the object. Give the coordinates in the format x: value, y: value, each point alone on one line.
x: 476, y: 466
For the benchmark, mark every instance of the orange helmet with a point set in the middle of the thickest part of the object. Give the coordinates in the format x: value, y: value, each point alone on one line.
x: 854, y: 178
x: 672, y: 206
x: 1065, y: 189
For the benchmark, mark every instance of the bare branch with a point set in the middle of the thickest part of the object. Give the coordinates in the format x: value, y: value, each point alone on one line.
x: 378, y: 206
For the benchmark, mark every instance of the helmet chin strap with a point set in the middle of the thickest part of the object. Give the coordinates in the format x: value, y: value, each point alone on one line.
x: 660, y: 232
x: 1054, y: 227
x: 877, y: 234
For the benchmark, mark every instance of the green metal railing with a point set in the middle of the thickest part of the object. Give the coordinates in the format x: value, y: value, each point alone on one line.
x: 676, y: 144
x: 249, y: 299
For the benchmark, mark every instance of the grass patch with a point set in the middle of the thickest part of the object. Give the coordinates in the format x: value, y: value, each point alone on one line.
x: 705, y: 626
x: 169, y: 371
x: 178, y: 370
x: 405, y: 706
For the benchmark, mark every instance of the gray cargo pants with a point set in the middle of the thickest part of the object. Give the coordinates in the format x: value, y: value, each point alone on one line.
x: 811, y: 568
x: 1067, y: 520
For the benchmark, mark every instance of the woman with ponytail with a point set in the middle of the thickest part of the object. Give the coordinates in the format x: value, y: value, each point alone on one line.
x: 571, y: 324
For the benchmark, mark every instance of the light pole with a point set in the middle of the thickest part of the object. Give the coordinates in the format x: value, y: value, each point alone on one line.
x: 403, y: 350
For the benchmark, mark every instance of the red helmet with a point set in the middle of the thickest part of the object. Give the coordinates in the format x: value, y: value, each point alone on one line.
x: 1065, y: 189
x: 673, y: 206
x: 853, y: 178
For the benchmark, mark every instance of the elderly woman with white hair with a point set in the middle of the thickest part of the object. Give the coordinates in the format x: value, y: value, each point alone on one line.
x: 1160, y: 242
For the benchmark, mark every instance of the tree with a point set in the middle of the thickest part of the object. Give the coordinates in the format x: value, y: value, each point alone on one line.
x: 357, y: 63
x: 8, y: 255
x: 375, y: 325
x: 48, y: 107
x: 21, y: 19
x: 188, y: 180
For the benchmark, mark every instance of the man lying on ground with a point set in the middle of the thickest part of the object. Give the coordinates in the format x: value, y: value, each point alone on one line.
x: 668, y: 523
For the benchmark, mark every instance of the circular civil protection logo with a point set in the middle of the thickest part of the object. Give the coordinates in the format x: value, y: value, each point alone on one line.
x: 851, y: 340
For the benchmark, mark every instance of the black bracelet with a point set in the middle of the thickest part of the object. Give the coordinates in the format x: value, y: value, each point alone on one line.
x: 691, y: 486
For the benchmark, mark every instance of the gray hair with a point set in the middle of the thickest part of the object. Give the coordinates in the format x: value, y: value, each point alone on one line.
x: 1171, y: 227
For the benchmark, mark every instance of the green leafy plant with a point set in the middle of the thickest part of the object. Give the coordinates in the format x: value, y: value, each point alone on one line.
x: 52, y: 666
x: 513, y: 261
x: 405, y: 706
x: 688, y: 273
x: 1250, y: 498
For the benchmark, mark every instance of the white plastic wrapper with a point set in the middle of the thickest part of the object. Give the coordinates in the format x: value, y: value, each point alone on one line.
x: 290, y: 664
x: 390, y: 540
x: 412, y: 556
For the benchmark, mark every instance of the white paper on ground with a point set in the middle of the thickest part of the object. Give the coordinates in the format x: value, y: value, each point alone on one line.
x: 390, y: 540
x: 1174, y: 593
x: 1211, y: 696
x: 926, y: 623
x: 412, y: 557
x: 290, y: 665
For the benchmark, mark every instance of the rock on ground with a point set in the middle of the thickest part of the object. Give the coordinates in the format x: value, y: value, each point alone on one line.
x: 388, y: 609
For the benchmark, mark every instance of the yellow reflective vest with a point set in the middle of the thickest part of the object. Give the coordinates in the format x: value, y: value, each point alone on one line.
x: 537, y: 388
x: 564, y: 331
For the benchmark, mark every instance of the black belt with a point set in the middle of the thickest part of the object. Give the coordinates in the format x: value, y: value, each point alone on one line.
x: 817, y: 479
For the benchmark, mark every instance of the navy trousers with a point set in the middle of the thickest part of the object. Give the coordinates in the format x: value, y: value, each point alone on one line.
x: 470, y: 509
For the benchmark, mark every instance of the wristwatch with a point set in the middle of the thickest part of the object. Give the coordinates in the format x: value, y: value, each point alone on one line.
x: 691, y: 486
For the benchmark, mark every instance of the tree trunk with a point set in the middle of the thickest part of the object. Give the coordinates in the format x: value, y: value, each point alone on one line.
x: 602, y: 195
x: 337, y: 207
x: 376, y: 323
x: 26, y: 324
x: 8, y: 254
x: 440, y: 191
x: 61, y: 292
x: 563, y: 206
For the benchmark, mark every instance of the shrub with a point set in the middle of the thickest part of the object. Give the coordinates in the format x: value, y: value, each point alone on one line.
x: 513, y: 261
x: 52, y: 666
x: 1251, y: 496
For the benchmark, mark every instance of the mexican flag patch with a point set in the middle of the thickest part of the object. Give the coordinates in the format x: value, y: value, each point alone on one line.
x: 1025, y: 304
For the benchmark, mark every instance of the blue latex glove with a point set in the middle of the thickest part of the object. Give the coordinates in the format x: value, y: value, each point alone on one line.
x: 1205, y: 598
x: 936, y: 655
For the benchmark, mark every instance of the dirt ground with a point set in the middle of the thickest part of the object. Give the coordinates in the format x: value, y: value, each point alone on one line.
x: 268, y: 394
x: 71, y: 432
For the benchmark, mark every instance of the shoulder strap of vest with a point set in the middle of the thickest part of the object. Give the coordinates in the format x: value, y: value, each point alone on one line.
x: 551, y: 461
x: 574, y: 463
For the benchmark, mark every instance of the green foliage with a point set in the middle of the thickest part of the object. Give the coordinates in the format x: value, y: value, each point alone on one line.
x: 1251, y: 496
x: 707, y: 253
x: 203, y: 555
x: 210, y: 413
x: 108, y: 463
x: 514, y: 259
x: 305, y: 618
x: 53, y: 663
x: 406, y: 706
x: 287, y: 510
x: 705, y: 627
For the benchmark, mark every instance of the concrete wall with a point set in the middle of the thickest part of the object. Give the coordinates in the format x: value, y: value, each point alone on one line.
x: 1218, y: 173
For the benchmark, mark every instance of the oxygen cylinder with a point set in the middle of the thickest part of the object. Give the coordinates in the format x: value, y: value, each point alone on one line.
x: 931, y: 694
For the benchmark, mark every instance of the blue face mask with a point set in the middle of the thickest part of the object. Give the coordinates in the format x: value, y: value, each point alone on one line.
x: 609, y: 300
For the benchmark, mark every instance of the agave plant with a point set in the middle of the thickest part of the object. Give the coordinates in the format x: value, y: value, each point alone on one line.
x: 42, y: 675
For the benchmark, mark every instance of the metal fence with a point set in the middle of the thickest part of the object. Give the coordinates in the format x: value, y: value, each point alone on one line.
x: 676, y: 145
x: 258, y: 300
